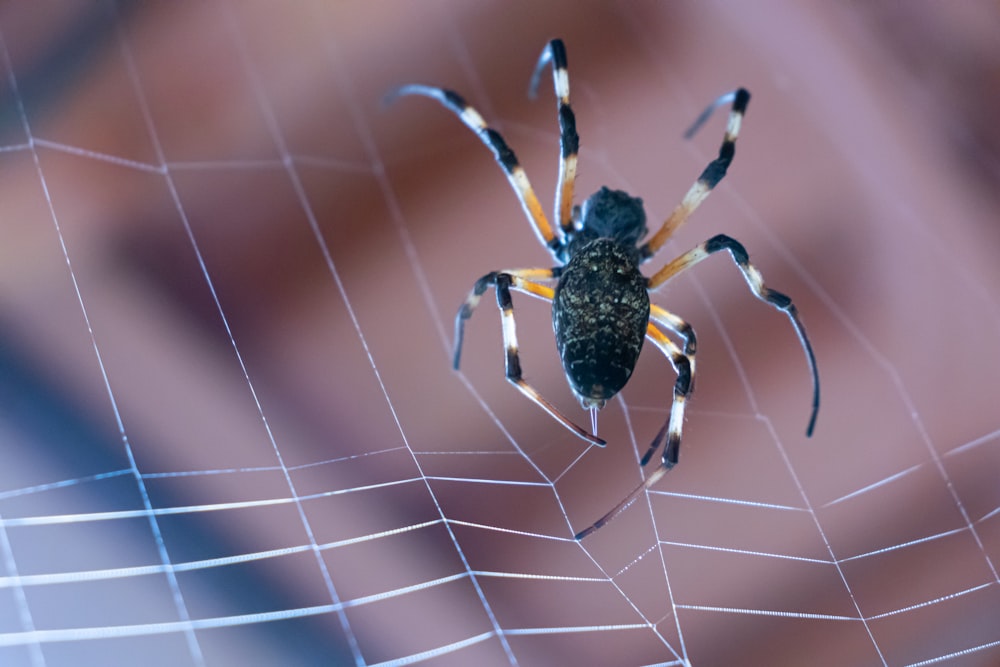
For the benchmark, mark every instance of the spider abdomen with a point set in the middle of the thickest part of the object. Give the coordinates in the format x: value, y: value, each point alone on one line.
x: 600, y: 311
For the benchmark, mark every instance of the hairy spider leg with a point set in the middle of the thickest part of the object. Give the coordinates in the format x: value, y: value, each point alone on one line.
x: 503, y: 282
x: 680, y: 327
x: 671, y: 429
x: 472, y: 301
x: 667, y: 319
x: 569, y: 140
x: 502, y: 152
x: 756, y: 282
x: 710, y: 177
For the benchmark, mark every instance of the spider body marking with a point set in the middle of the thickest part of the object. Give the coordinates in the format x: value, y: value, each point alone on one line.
x: 601, y: 311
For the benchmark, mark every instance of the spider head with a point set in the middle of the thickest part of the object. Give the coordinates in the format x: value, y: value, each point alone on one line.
x: 612, y: 214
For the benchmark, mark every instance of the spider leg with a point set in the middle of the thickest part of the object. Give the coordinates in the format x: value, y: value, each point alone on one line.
x: 520, y: 280
x: 710, y: 177
x: 756, y: 282
x: 471, y: 301
x: 682, y: 364
x: 667, y: 319
x: 502, y: 152
x: 569, y: 140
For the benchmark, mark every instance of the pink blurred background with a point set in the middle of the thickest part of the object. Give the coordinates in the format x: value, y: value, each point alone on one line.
x: 227, y: 283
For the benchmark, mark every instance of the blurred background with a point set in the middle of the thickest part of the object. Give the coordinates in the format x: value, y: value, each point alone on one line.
x: 230, y: 430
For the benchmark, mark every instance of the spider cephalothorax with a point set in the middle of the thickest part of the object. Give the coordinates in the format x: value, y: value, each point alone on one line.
x: 612, y: 214
x: 601, y: 312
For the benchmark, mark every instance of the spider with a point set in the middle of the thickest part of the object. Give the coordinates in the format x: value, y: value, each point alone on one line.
x: 601, y: 312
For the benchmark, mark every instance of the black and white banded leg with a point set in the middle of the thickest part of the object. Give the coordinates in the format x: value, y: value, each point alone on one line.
x: 521, y: 280
x: 569, y: 140
x: 710, y: 177
x: 674, y: 323
x: 504, y: 155
x: 756, y: 282
x: 671, y: 431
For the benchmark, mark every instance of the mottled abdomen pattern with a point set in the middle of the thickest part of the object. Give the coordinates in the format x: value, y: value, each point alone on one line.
x: 600, y: 312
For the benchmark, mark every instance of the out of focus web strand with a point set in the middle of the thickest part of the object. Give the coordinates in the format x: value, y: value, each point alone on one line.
x: 186, y: 625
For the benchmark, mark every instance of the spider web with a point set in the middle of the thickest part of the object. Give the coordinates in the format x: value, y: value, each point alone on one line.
x: 231, y: 432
